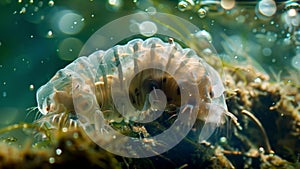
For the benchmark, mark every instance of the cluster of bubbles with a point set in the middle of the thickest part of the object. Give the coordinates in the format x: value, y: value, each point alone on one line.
x: 291, y: 18
x: 202, y: 7
x: 264, y: 10
x: 61, y: 22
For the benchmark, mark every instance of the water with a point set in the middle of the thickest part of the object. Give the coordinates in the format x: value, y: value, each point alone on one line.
x: 37, y: 38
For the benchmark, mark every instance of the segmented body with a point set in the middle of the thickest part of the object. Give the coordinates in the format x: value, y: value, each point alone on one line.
x: 101, y: 80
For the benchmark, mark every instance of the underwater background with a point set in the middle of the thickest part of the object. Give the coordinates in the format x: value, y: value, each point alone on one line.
x: 37, y: 38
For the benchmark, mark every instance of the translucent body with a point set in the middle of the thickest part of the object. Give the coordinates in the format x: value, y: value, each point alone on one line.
x: 126, y: 81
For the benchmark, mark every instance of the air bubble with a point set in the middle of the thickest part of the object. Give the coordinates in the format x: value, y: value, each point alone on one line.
x: 292, y: 8
x: 4, y: 94
x: 69, y: 48
x: 51, y: 3
x: 296, y: 62
x: 227, y: 4
x: 271, y: 36
x: 31, y: 87
x: 185, y: 5
x: 69, y: 22
x: 292, y: 12
x: 49, y: 34
x: 240, y: 19
x: 201, y: 13
x: 204, y: 34
x: 267, y: 7
x: 64, y: 129
x: 151, y: 10
x: 23, y: 10
x: 114, y: 5
x: 148, y: 28
x: 58, y: 151
x: 267, y: 51
x: 51, y: 160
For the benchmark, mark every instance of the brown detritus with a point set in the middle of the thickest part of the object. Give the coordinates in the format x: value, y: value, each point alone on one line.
x: 263, y: 132
x: 72, y: 149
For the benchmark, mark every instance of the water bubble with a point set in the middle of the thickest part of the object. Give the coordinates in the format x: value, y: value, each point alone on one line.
x: 147, y: 28
x: 292, y: 12
x: 31, y: 87
x: 296, y: 62
x: 201, y: 12
x: 240, y: 19
x: 69, y: 48
x: 69, y: 22
x: 227, y: 4
x: 51, y: 3
x: 267, y: 7
x: 271, y: 36
x: 40, y: 3
x: 49, y: 34
x: 64, y: 129
x: 267, y: 51
x: 23, y: 10
x: 114, y: 5
x: 185, y: 5
x: 51, y: 160
x: 4, y: 94
x: 58, y: 151
x: 292, y: 8
x: 151, y: 10
x: 204, y: 34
